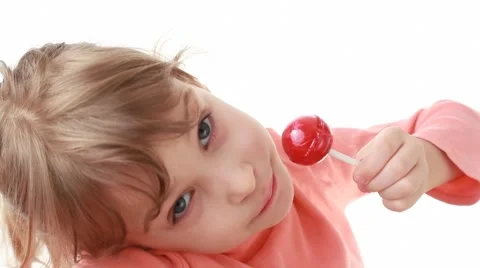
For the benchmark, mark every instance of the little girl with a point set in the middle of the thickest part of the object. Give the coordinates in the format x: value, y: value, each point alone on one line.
x: 113, y: 158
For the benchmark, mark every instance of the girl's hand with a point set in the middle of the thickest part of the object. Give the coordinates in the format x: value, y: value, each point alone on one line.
x: 394, y: 164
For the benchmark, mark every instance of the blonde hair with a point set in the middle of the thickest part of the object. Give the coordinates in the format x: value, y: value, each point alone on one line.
x: 72, y: 118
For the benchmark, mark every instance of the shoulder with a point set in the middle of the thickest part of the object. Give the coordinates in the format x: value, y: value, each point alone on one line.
x: 135, y: 257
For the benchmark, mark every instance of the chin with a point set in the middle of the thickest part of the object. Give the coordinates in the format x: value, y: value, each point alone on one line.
x: 282, y: 216
x: 286, y: 202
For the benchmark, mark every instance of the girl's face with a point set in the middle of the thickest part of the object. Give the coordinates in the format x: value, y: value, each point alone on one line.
x: 227, y: 183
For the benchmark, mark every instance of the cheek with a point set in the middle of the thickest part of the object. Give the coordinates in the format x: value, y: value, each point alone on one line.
x: 250, y: 138
x: 220, y: 219
x: 220, y: 230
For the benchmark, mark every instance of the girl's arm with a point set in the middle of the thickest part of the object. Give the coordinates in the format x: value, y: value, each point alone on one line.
x: 451, y: 132
x: 441, y: 167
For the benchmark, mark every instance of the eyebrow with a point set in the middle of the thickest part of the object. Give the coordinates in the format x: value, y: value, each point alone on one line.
x: 156, y: 199
x: 154, y: 213
x: 192, y: 104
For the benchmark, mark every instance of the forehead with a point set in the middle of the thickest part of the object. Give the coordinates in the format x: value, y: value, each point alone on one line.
x: 132, y: 179
x: 134, y: 193
x: 178, y: 151
x: 180, y: 122
x: 189, y: 101
x: 136, y: 198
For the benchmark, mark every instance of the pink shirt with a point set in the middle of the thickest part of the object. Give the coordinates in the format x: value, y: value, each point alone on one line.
x: 316, y: 233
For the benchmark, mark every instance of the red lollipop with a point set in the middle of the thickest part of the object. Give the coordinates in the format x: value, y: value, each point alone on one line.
x: 308, y: 139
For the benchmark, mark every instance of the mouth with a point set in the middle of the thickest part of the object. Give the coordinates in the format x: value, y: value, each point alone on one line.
x: 270, y: 194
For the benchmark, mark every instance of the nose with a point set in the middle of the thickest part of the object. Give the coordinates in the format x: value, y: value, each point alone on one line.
x: 241, y: 184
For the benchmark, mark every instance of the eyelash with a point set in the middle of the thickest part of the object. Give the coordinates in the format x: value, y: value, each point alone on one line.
x: 208, y: 118
x: 176, y: 219
x: 209, y: 121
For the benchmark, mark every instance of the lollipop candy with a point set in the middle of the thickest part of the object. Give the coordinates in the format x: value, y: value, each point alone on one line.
x: 308, y: 139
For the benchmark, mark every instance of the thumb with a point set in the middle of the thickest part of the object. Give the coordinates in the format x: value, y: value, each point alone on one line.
x: 360, y: 156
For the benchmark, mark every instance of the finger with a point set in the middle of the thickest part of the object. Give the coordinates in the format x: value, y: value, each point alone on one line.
x: 378, y: 152
x: 397, y: 167
x: 403, y: 204
x: 407, y: 186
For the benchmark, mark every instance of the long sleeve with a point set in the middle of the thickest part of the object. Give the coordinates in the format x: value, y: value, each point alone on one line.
x: 451, y: 126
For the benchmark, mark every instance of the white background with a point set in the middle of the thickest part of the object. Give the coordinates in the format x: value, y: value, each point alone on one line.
x: 354, y: 63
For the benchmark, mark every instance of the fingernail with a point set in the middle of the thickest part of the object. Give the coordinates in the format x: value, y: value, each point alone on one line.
x: 360, y: 160
x: 359, y: 179
x: 363, y: 188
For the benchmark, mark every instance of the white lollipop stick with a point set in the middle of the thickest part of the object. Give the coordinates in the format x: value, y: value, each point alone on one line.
x: 342, y: 157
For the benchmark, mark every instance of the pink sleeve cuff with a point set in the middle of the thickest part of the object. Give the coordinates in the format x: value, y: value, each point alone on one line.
x: 455, y: 129
x: 461, y: 191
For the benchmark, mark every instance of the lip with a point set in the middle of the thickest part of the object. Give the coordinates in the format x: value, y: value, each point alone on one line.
x: 270, y: 194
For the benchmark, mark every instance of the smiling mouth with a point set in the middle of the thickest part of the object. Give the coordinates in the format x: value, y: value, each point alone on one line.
x: 269, y: 196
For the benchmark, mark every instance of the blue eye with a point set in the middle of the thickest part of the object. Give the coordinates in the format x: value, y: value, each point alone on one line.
x: 204, y: 131
x: 181, y: 206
